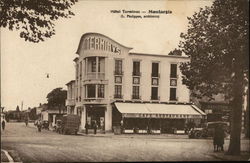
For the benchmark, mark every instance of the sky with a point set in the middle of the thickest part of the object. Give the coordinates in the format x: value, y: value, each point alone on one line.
x: 24, y: 65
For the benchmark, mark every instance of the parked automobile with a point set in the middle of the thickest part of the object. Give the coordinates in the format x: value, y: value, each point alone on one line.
x: 208, y: 130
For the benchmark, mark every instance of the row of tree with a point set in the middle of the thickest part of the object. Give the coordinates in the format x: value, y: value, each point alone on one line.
x: 217, y: 42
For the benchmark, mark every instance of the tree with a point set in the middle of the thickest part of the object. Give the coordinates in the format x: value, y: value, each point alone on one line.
x: 17, y: 108
x: 217, y: 44
x: 34, y: 18
x: 56, y: 98
x: 175, y: 52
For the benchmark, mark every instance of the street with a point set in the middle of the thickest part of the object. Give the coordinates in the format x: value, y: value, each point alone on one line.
x: 49, y: 146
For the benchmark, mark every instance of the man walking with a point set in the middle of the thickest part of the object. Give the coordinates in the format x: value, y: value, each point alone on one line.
x: 86, y: 128
x: 3, y: 124
x: 95, y: 127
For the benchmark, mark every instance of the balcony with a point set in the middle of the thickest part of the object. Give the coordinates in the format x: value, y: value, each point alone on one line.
x: 70, y: 102
x: 136, y: 97
x: 156, y: 75
x: 93, y: 100
x: 155, y: 98
x: 95, y: 75
x: 136, y: 73
x: 118, y: 72
x: 118, y: 96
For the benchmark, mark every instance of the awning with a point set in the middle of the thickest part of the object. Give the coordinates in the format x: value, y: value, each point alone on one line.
x: 148, y: 110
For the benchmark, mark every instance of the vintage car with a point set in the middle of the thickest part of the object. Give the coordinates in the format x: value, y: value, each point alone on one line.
x: 45, y: 125
x: 208, y: 130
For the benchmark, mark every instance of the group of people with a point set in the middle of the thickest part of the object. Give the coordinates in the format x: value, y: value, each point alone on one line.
x: 218, y: 139
x: 87, y: 126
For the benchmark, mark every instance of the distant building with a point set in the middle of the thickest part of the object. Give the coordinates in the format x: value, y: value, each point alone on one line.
x: 113, y: 85
x: 52, y: 114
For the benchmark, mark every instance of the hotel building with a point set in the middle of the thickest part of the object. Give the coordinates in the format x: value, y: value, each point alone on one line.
x: 113, y: 85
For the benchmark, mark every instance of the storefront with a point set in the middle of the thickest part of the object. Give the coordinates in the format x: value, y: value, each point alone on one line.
x: 95, y: 113
x: 156, y: 118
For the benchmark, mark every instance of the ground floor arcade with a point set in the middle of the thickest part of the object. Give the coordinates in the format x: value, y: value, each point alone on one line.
x: 139, y: 117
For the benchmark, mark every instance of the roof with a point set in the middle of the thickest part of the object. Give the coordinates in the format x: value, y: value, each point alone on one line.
x: 72, y: 81
x: 162, y: 109
x: 161, y: 55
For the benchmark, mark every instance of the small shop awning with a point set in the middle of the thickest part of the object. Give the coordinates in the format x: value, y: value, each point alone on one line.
x: 148, y: 110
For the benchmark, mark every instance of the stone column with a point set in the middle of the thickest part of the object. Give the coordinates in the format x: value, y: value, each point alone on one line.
x: 54, y: 120
x: 83, y: 118
x: 108, y: 118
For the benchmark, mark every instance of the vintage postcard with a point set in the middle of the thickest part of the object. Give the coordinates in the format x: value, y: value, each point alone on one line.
x: 106, y: 81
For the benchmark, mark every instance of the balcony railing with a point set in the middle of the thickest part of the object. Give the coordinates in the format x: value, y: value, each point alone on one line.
x: 155, y: 75
x: 95, y: 75
x: 118, y: 96
x: 136, y: 73
x: 155, y: 97
x: 118, y: 72
x: 136, y: 97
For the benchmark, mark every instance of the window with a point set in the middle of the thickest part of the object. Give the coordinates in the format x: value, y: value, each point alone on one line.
x: 118, y: 91
x: 91, y: 91
x: 77, y: 70
x: 173, y: 71
x: 80, y: 70
x: 136, y: 68
x: 118, y: 67
x: 93, y: 43
x: 80, y: 93
x: 173, y: 94
x: 101, y: 91
x: 154, y: 93
x: 155, y: 69
x: 93, y: 65
x: 135, y: 93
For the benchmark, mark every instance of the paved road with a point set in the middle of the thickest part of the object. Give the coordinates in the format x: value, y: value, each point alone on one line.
x: 48, y: 146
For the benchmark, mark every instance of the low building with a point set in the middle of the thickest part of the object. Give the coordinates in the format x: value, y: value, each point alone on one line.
x: 113, y: 85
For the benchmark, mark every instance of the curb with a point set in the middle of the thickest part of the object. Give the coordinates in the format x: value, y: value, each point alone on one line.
x: 131, y: 136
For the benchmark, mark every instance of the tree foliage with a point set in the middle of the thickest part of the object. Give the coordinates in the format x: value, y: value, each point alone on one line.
x: 17, y: 108
x: 56, y: 98
x: 34, y: 19
x: 217, y: 44
x: 175, y: 52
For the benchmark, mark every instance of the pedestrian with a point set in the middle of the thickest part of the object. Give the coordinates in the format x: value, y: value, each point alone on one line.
x: 39, y: 125
x: 218, y: 139
x: 95, y: 127
x: 221, y: 136
x: 3, y: 124
x: 121, y: 126
x: 26, y: 121
x: 86, y: 128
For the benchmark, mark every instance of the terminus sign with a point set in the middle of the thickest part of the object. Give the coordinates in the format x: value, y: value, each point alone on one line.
x: 96, y: 43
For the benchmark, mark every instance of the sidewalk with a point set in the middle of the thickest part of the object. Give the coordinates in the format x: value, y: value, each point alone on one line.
x: 141, y: 136
x: 245, y: 156
x: 10, y: 156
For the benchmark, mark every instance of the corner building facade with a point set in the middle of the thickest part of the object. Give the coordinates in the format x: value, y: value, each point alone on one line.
x: 110, y: 79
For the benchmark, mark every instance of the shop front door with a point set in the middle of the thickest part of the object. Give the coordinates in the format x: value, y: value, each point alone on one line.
x: 96, y: 114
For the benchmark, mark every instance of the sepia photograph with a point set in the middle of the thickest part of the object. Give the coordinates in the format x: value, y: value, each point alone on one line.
x: 124, y: 81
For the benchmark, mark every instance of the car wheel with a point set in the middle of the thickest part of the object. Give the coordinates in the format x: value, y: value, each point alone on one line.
x: 197, y: 135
